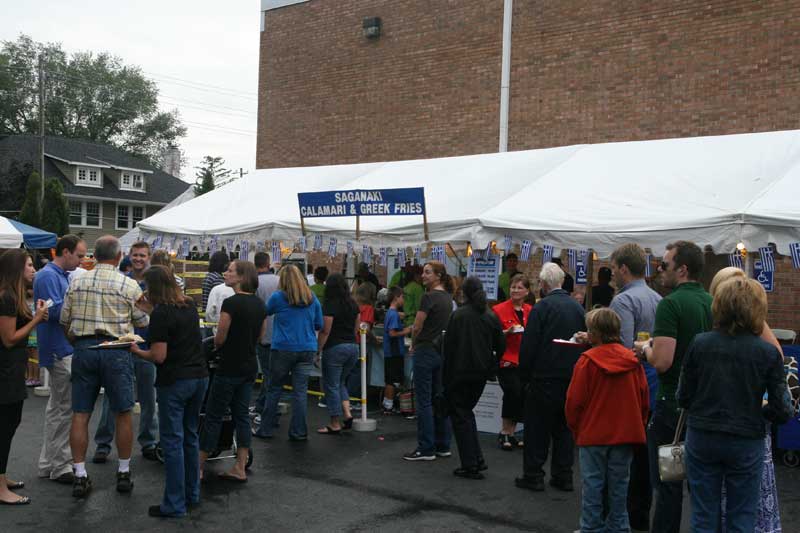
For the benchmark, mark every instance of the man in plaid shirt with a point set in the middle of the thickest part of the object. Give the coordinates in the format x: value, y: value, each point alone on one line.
x: 101, y: 306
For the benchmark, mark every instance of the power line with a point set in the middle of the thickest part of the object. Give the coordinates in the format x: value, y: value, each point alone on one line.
x: 247, y: 93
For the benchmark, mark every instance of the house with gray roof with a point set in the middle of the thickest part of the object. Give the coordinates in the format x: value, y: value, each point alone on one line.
x: 109, y: 191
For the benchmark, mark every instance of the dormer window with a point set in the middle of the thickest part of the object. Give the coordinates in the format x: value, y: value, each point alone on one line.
x: 131, y: 181
x: 89, y: 177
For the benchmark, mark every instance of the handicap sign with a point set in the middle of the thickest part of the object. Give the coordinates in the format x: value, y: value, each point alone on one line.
x: 580, y: 273
x: 766, y: 279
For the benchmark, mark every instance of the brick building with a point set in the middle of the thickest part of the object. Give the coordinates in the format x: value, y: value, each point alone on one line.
x: 580, y: 72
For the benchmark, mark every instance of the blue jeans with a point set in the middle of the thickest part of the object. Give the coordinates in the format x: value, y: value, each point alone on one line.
x: 179, y: 416
x: 714, y: 458
x: 262, y: 352
x: 92, y: 369
x: 145, y: 373
x: 281, y: 364
x: 433, y: 432
x: 227, y: 392
x: 337, y: 363
x: 605, y: 466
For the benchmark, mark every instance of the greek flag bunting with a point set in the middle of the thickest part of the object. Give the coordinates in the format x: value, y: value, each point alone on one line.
x: 301, y: 244
x: 349, y: 247
x: 794, y: 249
x: 767, y: 259
x: 487, y: 253
x: 507, y: 243
x: 332, y: 247
x: 185, y: 248
x: 317, y: 243
x: 229, y: 245
x: 572, y: 258
x: 582, y: 256
x: 276, y: 252
x: 213, y: 248
x: 401, y: 257
x: 382, y: 256
x: 418, y: 255
x: 547, y: 253
x: 173, y: 242
x: 244, y: 251
x: 648, y: 265
x: 366, y: 254
x: 735, y: 260
x: 525, y: 250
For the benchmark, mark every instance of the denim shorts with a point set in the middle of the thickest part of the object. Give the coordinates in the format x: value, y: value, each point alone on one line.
x: 92, y: 369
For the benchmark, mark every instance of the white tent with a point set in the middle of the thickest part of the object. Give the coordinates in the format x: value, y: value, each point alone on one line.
x: 714, y: 191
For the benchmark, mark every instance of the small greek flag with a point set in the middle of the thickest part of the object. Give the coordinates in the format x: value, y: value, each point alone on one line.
x: 794, y: 249
x: 349, y: 247
x: 173, y: 242
x: 213, y: 248
x: 648, y: 265
x: 487, y: 253
x: 382, y: 256
x: 229, y: 246
x: 317, y: 243
x: 366, y: 254
x: 582, y: 256
x: 301, y: 244
x: 276, y: 252
x: 401, y: 257
x: 244, y: 251
x: 525, y: 250
x: 735, y: 260
x: 547, y: 253
x: 572, y: 257
x: 145, y: 236
x: 185, y: 247
x: 418, y: 255
x: 440, y: 254
x: 767, y: 259
x: 332, y: 247
x: 507, y: 243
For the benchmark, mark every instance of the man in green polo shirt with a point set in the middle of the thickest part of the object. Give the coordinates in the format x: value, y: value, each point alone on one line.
x: 412, y: 294
x: 504, y: 282
x: 679, y: 317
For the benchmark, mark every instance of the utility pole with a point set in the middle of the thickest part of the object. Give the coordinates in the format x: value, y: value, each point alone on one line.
x: 242, y: 173
x: 41, y: 127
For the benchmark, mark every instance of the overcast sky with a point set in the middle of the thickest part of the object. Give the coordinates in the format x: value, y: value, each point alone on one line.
x: 202, y: 43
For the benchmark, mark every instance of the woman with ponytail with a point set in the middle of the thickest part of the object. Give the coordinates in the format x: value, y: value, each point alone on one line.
x: 475, y: 343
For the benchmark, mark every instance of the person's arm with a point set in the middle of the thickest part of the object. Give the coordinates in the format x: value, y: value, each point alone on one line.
x: 419, y: 320
x: 778, y: 410
x: 66, y: 312
x: 687, y: 382
x: 157, y: 352
x: 768, y: 336
x: 662, y: 353
x: 11, y: 336
x: 139, y: 317
x: 577, y: 395
x: 46, y: 288
x: 318, y: 322
x: 644, y: 395
x: 212, y: 308
x: 222, y: 329
x: 325, y: 332
x: 499, y: 338
x: 621, y: 306
x: 529, y: 345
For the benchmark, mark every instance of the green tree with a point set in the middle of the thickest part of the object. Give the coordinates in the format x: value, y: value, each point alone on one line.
x: 210, y: 172
x: 31, y: 212
x: 89, y: 95
x: 55, y: 210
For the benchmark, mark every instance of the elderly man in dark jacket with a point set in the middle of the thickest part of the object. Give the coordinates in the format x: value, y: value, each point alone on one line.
x: 545, y: 371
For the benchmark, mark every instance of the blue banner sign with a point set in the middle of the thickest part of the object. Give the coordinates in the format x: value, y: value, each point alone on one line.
x: 362, y: 202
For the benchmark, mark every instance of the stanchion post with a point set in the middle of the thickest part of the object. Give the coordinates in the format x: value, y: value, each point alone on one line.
x: 364, y: 423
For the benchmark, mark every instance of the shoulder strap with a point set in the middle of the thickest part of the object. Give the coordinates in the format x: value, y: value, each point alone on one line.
x: 679, y: 427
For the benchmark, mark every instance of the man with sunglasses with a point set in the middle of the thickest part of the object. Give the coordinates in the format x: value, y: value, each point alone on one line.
x: 679, y: 317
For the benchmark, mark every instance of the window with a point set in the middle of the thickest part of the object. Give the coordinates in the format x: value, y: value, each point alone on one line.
x: 89, y: 177
x: 126, y: 179
x: 131, y: 181
x: 122, y: 216
x: 94, y: 175
x: 138, y: 214
x: 86, y: 214
x: 138, y: 181
x: 81, y: 174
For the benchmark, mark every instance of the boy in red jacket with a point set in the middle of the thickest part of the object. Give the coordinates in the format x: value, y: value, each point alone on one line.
x: 606, y: 409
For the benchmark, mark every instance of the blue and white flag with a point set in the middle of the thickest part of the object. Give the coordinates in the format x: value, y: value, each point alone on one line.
x: 159, y: 242
x: 547, y: 253
x: 735, y: 260
x: 244, y: 251
x: 401, y: 257
x: 172, y: 243
x: 439, y: 254
x: 276, y: 252
x: 301, y: 244
x: 185, y: 247
x: 572, y: 258
x: 383, y: 256
x: 507, y: 243
x: 794, y: 250
x: 332, y: 247
x: 317, y: 243
x: 525, y: 250
x: 229, y: 245
x: 583, y: 255
x: 648, y: 265
x: 366, y: 254
x: 349, y: 248
x: 767, y: 259
x: 213, y: 248
x: 418, y: 255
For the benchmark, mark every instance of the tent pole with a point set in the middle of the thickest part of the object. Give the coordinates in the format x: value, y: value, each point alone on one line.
x: 358, y: 228
x: 302, y: 226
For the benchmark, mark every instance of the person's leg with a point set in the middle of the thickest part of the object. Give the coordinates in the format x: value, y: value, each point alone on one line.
x: 301, y: 370
x: 512, y: 401
x: 743, y: 483
x: 262, y: 351
x: 55, y: 459
x: 593, y: 461
x: 124, y: 421
x: 468, y: 447
x: 191, y: 441
x: 86, y: 378
x: 279, y: 366
x: 240, y: 401
x: 171, y: 404
x: 332, y: 366
x: 537, y: 432
x: 423, y: 397
x: 668, y: 496
x: 618, y: 473
x: 104, y: 434
x: 349, y: 363
x: 640, y: 492
x: 443, y: 433
x: 563, y: 443
x: 219, y: 398
x: 704, y: 473
x: 146, y: 393
x: 10, y: 417
x: 461, y: 426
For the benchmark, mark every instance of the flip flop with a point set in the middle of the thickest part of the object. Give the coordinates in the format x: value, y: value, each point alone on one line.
x: 228, y: 477
x: 16, y: 485
x: 327, y: 430
x: 22, y: 501
x: 348, y: 424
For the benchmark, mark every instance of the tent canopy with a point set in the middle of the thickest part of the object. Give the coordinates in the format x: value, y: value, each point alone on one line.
x: 715, y: 191
x: 14, y: 233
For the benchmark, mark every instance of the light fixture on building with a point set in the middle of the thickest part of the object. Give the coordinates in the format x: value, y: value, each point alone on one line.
x: 372, y: 27
x: 742, y: 249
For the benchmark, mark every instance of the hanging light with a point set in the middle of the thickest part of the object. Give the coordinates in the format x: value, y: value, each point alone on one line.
x: 469, y: 249
x: 742, y: 249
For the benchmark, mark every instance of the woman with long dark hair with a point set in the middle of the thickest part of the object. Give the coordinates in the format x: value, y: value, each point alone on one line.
x: 337, y: 342
x: 181, y: 381
x: 474, y: 343
x: 217, y: 266
x: 16, y: 323
x: 242, y: 321
x: 433, y: 429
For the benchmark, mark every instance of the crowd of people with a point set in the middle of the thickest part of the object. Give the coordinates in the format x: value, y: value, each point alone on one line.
x: 616, y: 382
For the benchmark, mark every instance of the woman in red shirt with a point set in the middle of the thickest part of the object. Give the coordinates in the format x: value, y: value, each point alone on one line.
x: 513, y: 315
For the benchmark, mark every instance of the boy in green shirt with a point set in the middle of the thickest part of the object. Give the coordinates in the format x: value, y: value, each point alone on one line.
x: 318, y: 288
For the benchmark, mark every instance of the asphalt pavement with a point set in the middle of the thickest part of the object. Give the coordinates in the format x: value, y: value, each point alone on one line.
x: 353, y: 482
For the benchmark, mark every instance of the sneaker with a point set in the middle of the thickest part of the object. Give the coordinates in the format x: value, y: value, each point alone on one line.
x: 100, y: 456
x: 322, y: 404
x: 67, y: 478
x: 468, y: 473
x: 149, y: 453
x: 417, y: 455
x: 534, y: 484
x: 257, y: 420
x: 444, y: 453
x: 81, y: 487
x: 124, y: 482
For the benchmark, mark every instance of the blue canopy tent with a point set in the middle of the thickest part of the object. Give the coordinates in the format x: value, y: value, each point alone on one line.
x: 14, y: 233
